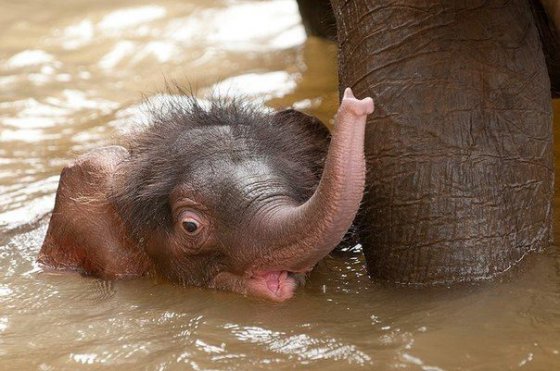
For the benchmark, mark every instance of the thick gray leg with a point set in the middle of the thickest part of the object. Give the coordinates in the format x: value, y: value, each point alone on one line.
x: 459, y: 149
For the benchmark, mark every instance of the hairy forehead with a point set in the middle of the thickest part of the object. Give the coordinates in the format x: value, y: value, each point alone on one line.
x: 223, y: 166
x: 215, y: 143
x: 230, y: 186
x: 223, y: 172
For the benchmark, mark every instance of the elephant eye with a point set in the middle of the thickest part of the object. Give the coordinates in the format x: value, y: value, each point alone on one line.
x: 190, y: 226
x: 191, y: 222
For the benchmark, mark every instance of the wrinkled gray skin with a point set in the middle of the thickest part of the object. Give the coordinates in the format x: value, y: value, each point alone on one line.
x: 225, y: 197
x: 459, y: 152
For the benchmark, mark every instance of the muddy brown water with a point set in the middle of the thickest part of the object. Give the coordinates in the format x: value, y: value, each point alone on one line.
x: 71, y: 75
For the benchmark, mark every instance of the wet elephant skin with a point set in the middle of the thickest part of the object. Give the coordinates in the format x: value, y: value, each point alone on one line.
x: 459, y: 150
x: 221, y: 195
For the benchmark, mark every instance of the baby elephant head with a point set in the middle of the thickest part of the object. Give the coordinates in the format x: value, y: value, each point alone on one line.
x: 227, y: 196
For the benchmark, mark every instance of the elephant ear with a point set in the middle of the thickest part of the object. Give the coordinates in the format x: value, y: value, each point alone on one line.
x: 313, y: 127
x: 306, y: 136
x: 300, y: 142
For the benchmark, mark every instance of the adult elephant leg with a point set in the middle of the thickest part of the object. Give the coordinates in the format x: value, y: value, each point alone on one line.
x: 459, y: 150
x: 318, y: 18
x: 547, y: 19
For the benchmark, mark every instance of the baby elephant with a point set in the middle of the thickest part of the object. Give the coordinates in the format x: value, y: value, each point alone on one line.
x: 221, y: 195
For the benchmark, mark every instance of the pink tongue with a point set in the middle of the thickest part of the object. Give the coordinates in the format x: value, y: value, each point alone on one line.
x: 272, y: 280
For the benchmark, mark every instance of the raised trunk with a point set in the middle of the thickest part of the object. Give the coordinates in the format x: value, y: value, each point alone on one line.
x: 460, y: 176
x: 310, y: 231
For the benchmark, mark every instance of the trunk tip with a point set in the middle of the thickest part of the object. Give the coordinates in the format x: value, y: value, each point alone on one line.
x: 359, y: 106
x: 348, y: 94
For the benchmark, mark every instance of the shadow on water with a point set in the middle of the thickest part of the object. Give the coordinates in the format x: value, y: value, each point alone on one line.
x: 70, y: 80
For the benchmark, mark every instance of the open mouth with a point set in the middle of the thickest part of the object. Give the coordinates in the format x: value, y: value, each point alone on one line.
x: 275, y: 285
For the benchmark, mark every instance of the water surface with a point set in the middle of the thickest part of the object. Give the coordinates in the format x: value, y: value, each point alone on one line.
x: 71, y: 74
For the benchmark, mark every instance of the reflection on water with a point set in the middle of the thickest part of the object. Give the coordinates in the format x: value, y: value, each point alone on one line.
x: 71, y: 77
